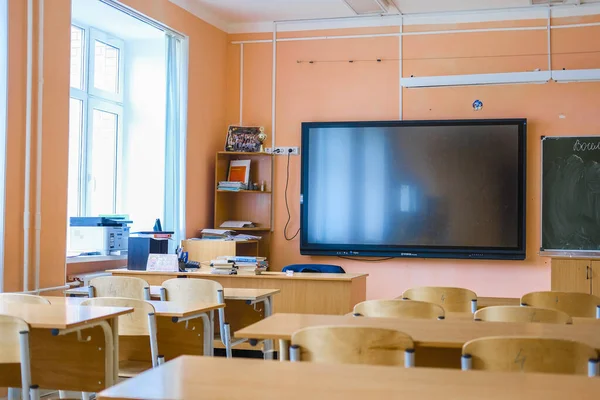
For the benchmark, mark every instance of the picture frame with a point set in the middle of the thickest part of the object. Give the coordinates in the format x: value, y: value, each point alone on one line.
x: 244, y: 139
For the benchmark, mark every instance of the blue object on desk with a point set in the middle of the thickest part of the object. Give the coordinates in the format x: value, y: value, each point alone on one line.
x: 319, y: 268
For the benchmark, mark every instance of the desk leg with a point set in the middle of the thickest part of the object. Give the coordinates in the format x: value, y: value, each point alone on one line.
x: 284, y: 346
x: 115, y: 333
x: 268, y: 344
x: 212, y: 332
x: 206, y: 332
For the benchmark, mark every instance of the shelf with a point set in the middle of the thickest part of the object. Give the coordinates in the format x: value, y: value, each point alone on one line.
x: 242, y: 191
x: 243, y: 153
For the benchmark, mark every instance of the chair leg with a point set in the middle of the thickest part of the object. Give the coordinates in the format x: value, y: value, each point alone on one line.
x: 13, y: 394
x: 62, y: 394
x: 466, y: 362
x: 227, y: 340
x: 34, y: 392
x: 86, y: 395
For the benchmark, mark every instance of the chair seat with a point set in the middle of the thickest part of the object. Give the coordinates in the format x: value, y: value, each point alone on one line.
x: 129, y: 369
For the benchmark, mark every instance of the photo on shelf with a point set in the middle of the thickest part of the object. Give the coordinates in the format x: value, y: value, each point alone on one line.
x: 245, y: 138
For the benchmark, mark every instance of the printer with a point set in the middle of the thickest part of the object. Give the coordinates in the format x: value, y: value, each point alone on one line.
x: 98, y: 235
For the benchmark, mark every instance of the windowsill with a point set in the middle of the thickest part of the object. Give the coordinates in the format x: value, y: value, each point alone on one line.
x: 86, y: 259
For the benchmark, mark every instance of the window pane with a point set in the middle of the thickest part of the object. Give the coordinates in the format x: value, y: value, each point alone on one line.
x: 77, y: 37
x: 103, y: 149
x: 106, y: 67
x: 75, y: 130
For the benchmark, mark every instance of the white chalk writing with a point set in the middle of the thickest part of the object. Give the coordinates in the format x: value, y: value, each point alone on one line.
x: 585, y: 146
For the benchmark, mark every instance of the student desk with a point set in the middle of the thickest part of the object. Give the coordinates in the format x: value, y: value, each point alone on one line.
x: 236, y: 299
x: 304, y: 293
x: 497, y: 301
x: 191, y: 377
x: 167, y: 313
x: 72, y: 348
x: 438, y: 343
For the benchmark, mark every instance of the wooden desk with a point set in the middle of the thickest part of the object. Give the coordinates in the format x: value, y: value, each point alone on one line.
x: 192, y: 377
x: 304, y: 293
x: 72, y: 348
x: 447, y: 335
x: 166, y: 310
x: 497, y: 301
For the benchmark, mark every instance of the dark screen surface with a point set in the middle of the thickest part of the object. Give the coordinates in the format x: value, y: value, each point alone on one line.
x: 414, y: 189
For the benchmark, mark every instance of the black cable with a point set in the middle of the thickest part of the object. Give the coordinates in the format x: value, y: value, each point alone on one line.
x: 363, y: 260
x: 287, y: 207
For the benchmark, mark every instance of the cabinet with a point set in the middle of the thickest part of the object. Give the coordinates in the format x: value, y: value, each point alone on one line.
x: 573, y: 275
x: 247, y: 205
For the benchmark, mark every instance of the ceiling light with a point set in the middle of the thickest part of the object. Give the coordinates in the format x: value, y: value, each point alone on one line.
x: 368, y: 7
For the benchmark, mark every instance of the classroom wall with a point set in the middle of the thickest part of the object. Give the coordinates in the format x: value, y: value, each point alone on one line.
x: 206, y: 123
x: 367, y: 90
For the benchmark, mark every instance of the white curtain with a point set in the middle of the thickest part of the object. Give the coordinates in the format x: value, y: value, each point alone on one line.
x: 3, y: 99
x: 175, y: 143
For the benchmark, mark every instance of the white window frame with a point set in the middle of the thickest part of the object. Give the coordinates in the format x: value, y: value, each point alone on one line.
x: 93, y: 98
x: 96, y: 35
x: 112, y: 108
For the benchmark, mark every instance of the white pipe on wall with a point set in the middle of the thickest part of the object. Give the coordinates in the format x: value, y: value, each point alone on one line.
x: 274, y: 86
x: 28, y: 104
x: 38, y: 174
x: 400, y: 67
x: 242, y: 84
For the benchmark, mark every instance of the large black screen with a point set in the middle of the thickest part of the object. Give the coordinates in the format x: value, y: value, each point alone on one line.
x: 453, y: 189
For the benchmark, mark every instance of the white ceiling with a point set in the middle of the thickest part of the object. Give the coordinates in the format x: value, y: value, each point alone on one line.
x: 239, y: 14
x: 101, y: 16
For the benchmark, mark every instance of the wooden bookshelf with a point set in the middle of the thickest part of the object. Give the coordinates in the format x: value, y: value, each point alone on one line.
x: 245, y: 205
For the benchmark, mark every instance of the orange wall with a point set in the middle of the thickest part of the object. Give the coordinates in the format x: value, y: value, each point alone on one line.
x: 369, y: 91
x: 206, y: 124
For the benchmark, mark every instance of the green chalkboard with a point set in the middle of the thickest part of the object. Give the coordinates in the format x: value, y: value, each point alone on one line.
x: 571, y: 193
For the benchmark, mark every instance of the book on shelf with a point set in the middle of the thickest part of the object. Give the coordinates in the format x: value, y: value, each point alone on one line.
x: 239, y: 171
x: 231, y: 186
x: 217, y: 271
x: 237, y: 224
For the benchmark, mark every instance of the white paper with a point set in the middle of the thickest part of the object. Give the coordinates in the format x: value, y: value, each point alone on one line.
x: 222, y: 232
x: 235, y: 224
x: 162, y: 262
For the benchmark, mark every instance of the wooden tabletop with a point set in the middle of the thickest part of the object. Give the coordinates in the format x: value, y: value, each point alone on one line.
x: 464, y: 316
x: 162, y: 308
x: 230, y: 293
x: 264, y: 275
x: 425, y: 333
x: 190, y: 377
x: 60, y: 316
x: 497, y: 301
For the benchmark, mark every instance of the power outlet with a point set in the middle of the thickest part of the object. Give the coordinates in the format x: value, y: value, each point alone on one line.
x: 284, y: 151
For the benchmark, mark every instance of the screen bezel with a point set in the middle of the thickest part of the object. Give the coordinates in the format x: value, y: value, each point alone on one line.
x: 458, y: 252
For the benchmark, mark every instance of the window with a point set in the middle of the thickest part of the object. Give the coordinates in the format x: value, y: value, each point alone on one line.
x: 95, y: 122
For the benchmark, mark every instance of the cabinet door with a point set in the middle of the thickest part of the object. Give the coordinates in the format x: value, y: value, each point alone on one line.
x: 572, y: 275
x: 595, y: 275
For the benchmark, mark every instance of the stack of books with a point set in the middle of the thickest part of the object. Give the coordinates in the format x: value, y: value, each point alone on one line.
x: 246, y: 265
x: 231, y: 186
x: 222, y: 267
x: 217, y: 234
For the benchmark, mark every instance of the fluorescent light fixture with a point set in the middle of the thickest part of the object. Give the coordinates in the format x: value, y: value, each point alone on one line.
x: 477, y: 79
x: 576, y: 75
x: 368, y: 7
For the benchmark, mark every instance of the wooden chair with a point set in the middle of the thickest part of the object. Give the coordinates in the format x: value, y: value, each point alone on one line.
x: 203, y: 291
x: 352, y: 345
x: 14, y: 348
x: 22, y: 298
x: 141, y: 322
x: 575, y: 304
x: 119, y: 286
x: 522, y: 314
x: 450, y: 298
x: 530, y: 354
x: 399, y: 308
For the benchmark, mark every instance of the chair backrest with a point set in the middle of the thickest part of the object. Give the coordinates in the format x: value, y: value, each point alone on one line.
x: 22, y: 298
x: 452, y: 299
x: 9, y: 338
x: 319, y: 268
x: 399, y: 308
x: 574, y: 304
x: 182, y: 290
x: 132, y: 324
x: 119, y: 286
x: 522, y: 314
x: 529, y: 354
x: 352, y: 345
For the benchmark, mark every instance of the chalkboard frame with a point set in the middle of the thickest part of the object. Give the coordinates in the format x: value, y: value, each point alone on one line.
x: 559, y: 252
